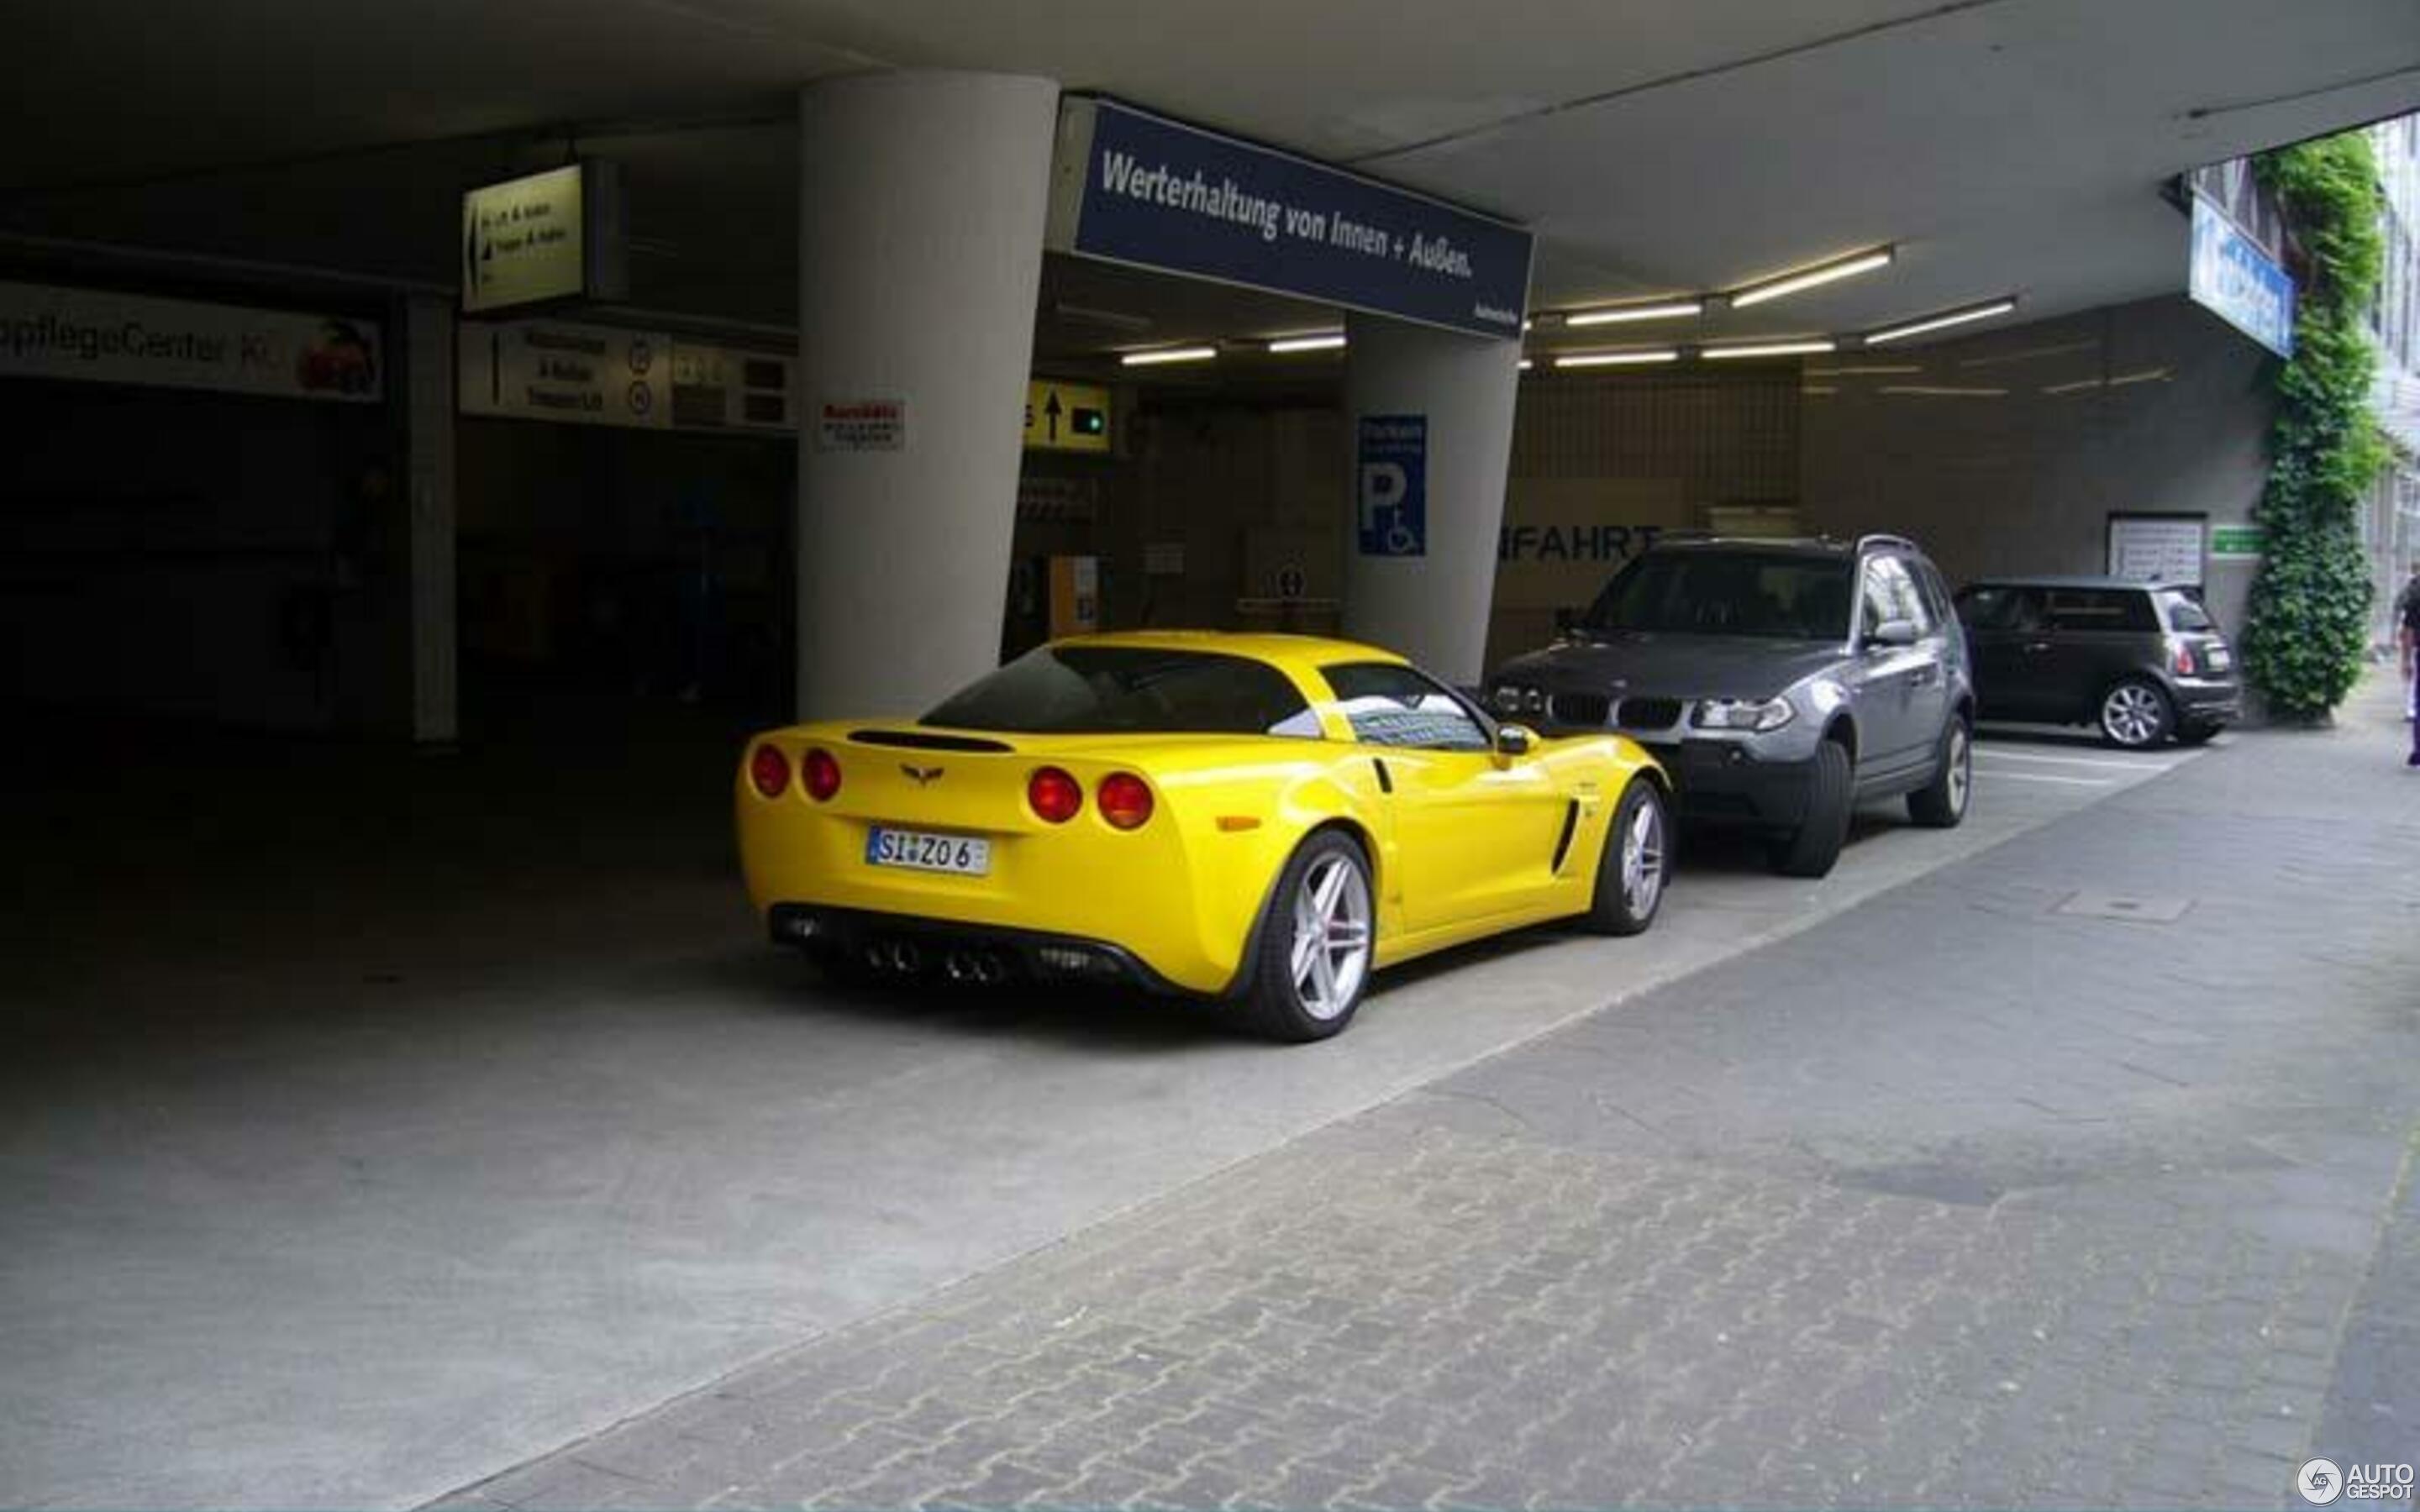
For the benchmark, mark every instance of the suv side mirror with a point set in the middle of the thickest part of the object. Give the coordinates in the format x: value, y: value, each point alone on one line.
x: 1892, y: 633
x: 1513, y: 740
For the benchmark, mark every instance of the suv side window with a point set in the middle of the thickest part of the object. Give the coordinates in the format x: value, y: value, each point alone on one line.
x: 1388, y: 704
x: 2100, y: 609
x: 1936, y: 592
x: 1876, y: 600
x: 1891, y: 594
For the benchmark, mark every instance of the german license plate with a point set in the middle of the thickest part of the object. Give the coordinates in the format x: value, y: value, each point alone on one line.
x: 958, y: 855
x: 2221, y: 658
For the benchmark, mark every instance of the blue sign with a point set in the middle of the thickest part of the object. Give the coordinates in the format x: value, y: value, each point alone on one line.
x: 1135, y: 188
x: 1391, y: 487
x: 2233, y: 278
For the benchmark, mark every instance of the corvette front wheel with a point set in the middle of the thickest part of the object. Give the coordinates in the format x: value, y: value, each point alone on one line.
x: 1316, y: 944
x: 1637, y: 858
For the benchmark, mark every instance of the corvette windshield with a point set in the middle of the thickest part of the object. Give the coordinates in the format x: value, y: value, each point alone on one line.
x: 1130, y: 689
x: 1777, y: 594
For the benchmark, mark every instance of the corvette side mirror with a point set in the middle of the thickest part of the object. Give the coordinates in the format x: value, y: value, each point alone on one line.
x: 1513, y: 740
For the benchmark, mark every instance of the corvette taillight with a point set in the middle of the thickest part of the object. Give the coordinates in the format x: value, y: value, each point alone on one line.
x: 819, y: 774
x: 1054, y: 795
x: 769, y: 770
x: 1126, y: 800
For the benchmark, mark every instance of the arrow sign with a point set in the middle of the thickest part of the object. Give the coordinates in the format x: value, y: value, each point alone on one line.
x: 1066, y: 417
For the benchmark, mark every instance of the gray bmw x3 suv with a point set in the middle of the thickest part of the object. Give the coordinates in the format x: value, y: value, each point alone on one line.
x: 1780, y: 682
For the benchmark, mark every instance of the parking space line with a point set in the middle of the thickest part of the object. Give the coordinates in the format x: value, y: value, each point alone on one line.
x: 2045, y: 776
x: 2073, y: 761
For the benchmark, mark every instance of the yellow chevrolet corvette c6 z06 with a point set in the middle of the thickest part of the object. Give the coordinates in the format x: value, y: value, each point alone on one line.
x: 1260, y: 818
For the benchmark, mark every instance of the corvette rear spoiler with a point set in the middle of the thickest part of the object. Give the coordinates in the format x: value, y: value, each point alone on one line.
x: 928, y: 740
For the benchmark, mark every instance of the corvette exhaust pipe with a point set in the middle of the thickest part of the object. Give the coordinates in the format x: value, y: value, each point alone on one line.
x: 990, y: 969
x: 905, y: 958
x: 963, y: 966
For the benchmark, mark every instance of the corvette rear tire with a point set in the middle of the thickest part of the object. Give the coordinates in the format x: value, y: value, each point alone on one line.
x: 1637, y: 860
x: 1814, y: 846
x: 1316, y: 944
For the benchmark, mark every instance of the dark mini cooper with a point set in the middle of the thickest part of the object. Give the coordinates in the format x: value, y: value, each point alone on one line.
x: 2143, y: 661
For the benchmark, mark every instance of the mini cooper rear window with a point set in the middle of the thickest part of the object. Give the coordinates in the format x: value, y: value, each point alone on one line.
x: 1127, y: 690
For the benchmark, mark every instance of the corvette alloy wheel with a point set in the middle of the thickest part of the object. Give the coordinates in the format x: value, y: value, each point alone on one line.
x: 1330, y: 957
x: 1642, y: 859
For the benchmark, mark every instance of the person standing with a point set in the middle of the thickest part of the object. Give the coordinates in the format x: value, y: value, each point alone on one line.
x: 2407, y: 637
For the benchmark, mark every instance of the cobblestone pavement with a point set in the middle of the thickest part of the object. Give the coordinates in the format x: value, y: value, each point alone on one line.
x: 1981, y: 1195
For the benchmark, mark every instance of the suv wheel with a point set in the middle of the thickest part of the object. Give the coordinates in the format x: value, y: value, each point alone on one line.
x: 1941, y: 803
x: 2134, y: 715
x: 1811, y: 850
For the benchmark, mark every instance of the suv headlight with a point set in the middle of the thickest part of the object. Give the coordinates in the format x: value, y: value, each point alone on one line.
x: 1742, y: 713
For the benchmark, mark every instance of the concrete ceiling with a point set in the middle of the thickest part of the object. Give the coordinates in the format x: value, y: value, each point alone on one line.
x: 2001, y: 146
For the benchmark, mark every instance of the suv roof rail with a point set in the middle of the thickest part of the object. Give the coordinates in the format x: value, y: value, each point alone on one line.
x: 1885, y: 539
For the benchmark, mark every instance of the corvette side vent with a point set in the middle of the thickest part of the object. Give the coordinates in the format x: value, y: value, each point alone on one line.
x: 920, y: 740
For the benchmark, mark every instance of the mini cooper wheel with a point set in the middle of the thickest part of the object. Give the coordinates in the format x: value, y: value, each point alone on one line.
x: 1941, y: 803
x: 2134, y: 715
x: 1316, y: 944
x: 1637, y: 860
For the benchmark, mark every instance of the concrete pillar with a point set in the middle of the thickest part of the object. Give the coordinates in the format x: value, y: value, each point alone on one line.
x: 428, y: 503
x: 922, y: 196
x: 1429, y: 413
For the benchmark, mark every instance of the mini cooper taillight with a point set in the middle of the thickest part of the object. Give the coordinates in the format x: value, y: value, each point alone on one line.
x: 1055, y: 795
x: 769, y: 770
x: 1126, y: 800
x: 819, y: 774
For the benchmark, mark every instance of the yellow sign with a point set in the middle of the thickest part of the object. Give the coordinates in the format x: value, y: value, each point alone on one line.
x: 1066, y: 417
x: 522, y: 241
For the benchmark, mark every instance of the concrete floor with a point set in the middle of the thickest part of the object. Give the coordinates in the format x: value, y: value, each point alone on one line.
x: 372, y: 1123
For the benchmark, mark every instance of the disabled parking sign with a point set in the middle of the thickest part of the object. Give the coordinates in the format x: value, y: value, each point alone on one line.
x: 1391, y: 487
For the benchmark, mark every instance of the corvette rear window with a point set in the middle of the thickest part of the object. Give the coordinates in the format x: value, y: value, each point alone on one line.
x: 1130, y: 690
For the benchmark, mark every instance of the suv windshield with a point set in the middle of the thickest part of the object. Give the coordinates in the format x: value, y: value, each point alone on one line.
x: 1130, y: 689
x: 1783, y: 596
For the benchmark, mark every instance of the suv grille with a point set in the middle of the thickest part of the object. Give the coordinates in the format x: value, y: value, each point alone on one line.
x: 1649, y: 714
x: 1579, y: 708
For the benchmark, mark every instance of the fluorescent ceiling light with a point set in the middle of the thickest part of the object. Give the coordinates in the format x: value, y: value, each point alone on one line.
x: 1866, y: 370
x: 1943, y: 391
x: 1323, y: 342
x: 1667, y: 310
x: 1770, y: 349
x: 1942, y: 322
x: 1791, y: 284
x: 2076, y: 387
x: 1168, y: 354
x: 1527, y: 364
x: 1661, y: 354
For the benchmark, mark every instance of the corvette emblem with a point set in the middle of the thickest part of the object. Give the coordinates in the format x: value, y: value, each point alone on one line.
x: 921, y: 776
